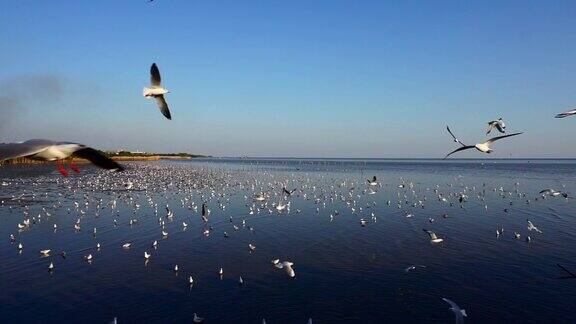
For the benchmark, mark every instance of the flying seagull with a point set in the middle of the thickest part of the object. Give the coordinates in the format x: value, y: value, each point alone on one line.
x: 566, y: 113
x: 157, y: 92
x: 482, y: 147
x: 373, y: 181
x: 433, y: 237
x: 532, y: 227
x: 458, y: 312
x: 288, y: 193
x: 414, y: 267
x: 498, y: 124
x: 46, y: 150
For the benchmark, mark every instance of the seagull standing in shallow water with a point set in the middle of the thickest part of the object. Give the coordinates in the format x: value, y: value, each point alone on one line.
x: 157, y: 92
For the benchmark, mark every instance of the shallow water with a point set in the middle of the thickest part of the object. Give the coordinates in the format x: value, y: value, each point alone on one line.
x: 344, y: 272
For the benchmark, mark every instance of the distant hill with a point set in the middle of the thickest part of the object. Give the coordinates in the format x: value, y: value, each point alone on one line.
x: 147, y: 154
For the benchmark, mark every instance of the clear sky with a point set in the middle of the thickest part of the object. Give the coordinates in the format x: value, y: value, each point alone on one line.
x: 314, y: 78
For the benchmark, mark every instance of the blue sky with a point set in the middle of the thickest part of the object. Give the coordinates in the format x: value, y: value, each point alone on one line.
x: 323, y: 78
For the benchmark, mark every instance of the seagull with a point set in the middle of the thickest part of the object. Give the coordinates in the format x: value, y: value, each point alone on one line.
x: 51, y: 266
x: 191, y: 280
x: 46, y: 150
x: 252, y: 247
x: 414, y: 267
x: 157, y: 92
x: 205, y: 210
x: 482, y: 147
x: 126, y: 245
x: 288, y: 193
x: 553, y: 193
x: 498, y: 124
x: 197, y: 319
x: 532, y: 227
x: 458, y: 312
x: 433, y: 237
x: 373, y: 182
x: 45, y: 252
x: 288, y: 266
x: 285, y: 265
x: 146, y: 255
x: 280, y: 207
x: 566, y: 113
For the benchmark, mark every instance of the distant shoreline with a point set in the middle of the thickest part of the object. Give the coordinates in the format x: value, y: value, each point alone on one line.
x: 27, y: 161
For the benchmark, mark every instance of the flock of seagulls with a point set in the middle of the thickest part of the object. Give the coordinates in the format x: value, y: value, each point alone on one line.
x: 152, y: 186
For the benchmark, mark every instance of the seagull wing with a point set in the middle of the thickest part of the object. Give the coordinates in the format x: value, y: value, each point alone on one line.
x: 489, y: 129
x: 154, y: 75
x: 163, y: 105
x: 494, y: 139
x: 454, y: 137
x: 17, y: 150
x: 98, y: 159
x: 453, y: 305
x: 431, y: 234
x: 459, y: 149
x: 459, y: 313
x: 566, y: 114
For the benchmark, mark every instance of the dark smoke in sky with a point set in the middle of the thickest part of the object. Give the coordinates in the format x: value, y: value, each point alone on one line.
x: 19, y: 91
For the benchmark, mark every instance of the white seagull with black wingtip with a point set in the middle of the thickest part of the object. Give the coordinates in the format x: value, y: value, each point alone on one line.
x: 157, y: 92
x: 498, y: 124
x: 482, y: 147
x: 46, y: 150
